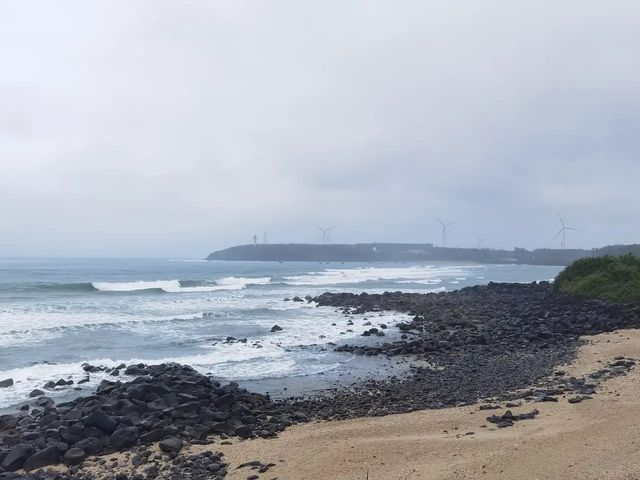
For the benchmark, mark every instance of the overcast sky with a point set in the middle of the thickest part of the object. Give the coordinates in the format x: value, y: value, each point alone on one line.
x: 157, y: 128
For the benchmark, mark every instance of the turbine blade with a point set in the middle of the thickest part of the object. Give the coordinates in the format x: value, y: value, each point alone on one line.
x: 452, y: 223
x: 558, y: 234
x: 561, y: 220
x: 439, y: 221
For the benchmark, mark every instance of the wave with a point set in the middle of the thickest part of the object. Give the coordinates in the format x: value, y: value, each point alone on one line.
x: 167, y: 286
x: 427, y: 275
x: 176, y: 286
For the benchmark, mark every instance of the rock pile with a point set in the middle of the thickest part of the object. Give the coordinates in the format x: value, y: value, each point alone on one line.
x: 168, y: 402
x: 499, y: 317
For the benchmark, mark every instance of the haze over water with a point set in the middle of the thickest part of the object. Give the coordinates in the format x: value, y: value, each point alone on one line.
x: 57, y: 314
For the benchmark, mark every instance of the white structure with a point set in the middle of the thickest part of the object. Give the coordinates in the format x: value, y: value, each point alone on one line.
x: 444, y: 230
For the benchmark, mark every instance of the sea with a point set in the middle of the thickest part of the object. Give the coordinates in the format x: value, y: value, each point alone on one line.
x: 58, y: 314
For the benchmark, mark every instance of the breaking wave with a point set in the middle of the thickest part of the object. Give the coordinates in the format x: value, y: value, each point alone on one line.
x: 425, y: 275
x: 176, y: 286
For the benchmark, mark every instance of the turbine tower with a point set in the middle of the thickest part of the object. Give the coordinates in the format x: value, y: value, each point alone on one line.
x: 444, y: 230
x: 325, y: 233
x: 563, y: 231
x: 480, y: 243
x: 255, y: 240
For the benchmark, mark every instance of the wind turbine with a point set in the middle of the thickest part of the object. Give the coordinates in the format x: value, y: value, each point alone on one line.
x: 480, y: 243
x: 563, y: 231
x: 444, y: 230
x: 325, y: 233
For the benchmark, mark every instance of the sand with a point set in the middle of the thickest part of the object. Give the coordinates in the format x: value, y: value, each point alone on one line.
x: 596, y: 439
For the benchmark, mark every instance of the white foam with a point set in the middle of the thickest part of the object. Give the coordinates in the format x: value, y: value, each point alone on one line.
x: 135, y: 286
x: 426, y: 281
x: 174, y: 286
x: 228, y: 360
x: 427, y: 274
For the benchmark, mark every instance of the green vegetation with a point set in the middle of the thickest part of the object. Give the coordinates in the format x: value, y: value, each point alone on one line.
x: 615, y: 279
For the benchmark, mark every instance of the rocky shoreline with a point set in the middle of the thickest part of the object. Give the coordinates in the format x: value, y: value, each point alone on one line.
x: 501, y: 342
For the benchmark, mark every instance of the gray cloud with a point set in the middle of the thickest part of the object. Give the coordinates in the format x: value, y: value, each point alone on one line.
x: 173, y: 128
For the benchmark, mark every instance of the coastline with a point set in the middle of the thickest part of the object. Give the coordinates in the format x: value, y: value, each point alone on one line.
x: 592, y: 440
x: 595, y: 439
x: 501, y: 343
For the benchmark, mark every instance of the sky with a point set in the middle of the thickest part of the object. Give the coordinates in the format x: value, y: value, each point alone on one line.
x: 175, y: 128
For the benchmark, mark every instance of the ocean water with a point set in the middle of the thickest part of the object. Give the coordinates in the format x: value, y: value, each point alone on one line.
x: 56, y: 314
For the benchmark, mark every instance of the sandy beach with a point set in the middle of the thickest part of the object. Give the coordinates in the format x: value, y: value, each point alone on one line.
x: 575, y: 410
x: 595, y: 439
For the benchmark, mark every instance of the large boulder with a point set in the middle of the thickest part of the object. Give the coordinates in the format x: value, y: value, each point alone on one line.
x: 36, y: 393
x: 124, y: 438
x: 8, y: 422
x: 134, y: 370
x: 171, y: 445
x: 42, y: 458
x: 90, y: 446
x: 17, y: 456
x: 74, y: 456
x: 6, y: 383
x: 101, y: 420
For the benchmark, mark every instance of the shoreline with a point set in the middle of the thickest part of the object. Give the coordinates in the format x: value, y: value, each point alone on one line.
x: 593, y: 440
x: 495, y: 343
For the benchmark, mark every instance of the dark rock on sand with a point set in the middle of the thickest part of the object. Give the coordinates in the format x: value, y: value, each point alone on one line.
x: 508, y: 418
x: 276, y: 328
x: 171, y: 445
x: 169, y: 403
x: 501, y: 317
x: 74, y: 456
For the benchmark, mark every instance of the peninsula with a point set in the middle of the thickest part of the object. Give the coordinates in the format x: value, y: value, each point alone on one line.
x: 409, y: 252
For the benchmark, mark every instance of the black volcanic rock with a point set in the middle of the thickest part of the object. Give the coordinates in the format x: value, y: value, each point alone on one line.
x: 6, y: 383
x: 101, y: 420
x: 479, y: 343
x: 17, y: 456
x: 124, y: 437
x: 74, y: 456
x: 501, y: 317
x: 171, y: 445
x: 169, y: 403
x: 42, y: 458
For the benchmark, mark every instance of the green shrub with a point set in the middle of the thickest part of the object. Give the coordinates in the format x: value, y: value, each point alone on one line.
x: 614, y: 279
